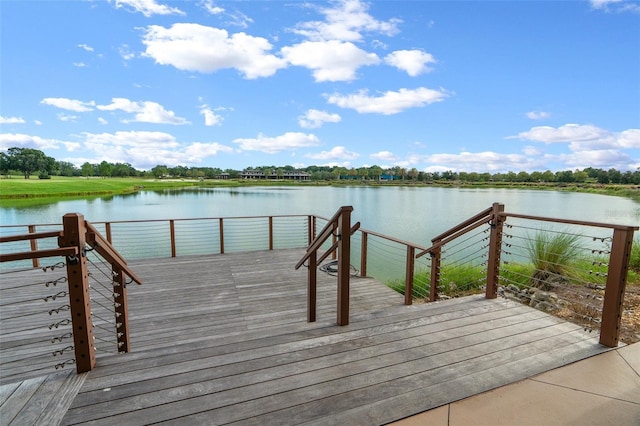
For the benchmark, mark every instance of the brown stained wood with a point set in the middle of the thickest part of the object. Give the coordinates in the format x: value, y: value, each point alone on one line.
x: 224, y: 338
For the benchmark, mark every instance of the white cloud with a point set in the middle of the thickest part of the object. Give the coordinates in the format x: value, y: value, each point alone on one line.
x: 384, y: 156
x: 67, y: 117
x: 85, y: 47
x: 538, y: 115
x: 531, y: 151
x: 145, y: 112
x: 389, y: 102
x: 271, y: 145
x: 330, y: 60
x: 562, y: 134
x: 198, y: 150
x: 581, y: 137
x: 629, y: 138
x: 144, y: 149
x: 615, y: 5
x: 102, y: 121
x: 211, y: 8
x: 314, y: 119
x: 336, y: 153
x: 194, y: 47
x: 482, y: 162
x: 79, y: 64
x: 125, y: 52
x: 148, y: 7
x: 589, y: 145
x: 345, y: 20
x: 9, y: 140
x: 602, y: 158
x: 69, y: 104
x: 413, y: 62
x: 235, y: 17
x: 11, y: 120
x: 210, y: 117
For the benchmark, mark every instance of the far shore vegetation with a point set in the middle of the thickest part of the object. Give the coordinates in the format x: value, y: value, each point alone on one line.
x: 28, y: 174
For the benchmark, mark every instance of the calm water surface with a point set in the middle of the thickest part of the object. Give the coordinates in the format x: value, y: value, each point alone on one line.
x: 413, y: 214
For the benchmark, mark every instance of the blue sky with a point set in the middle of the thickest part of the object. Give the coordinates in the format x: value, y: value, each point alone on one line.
x: 484, y: 86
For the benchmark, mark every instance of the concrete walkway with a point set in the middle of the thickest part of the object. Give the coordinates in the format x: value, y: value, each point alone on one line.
x: 601, y: 390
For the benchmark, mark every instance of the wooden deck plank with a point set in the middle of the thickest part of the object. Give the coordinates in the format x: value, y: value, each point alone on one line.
x: 224, y: 338
x: 215, y: 367
x: 248, y: 378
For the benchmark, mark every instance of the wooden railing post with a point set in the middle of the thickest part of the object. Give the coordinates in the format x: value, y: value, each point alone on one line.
x: 344, y: 265
x: 34, y: 246
x: 121, y: 311
x: 74, y: 235
x: 311, y: 226
x: 270, y: 232
x: 221, y: 237
x: 334, y: 238
x: 408, y: 276
x: 311, y: 287
x: 436, y: 260
x: 172, y: 233
x: 616, y: 283
x: 495, y: 247
x: 107, y: 230
x: 363, y: 254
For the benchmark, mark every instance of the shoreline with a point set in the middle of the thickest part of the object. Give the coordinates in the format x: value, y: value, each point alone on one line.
x: 75, y: 188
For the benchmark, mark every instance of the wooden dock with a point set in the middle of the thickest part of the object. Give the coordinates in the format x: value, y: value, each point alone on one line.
x: 224, y: 339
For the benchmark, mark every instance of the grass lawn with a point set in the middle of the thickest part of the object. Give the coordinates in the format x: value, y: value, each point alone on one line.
x: 59, y: 186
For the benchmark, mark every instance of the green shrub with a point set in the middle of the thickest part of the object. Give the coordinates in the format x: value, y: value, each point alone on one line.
x: 552, y: 252
x: 634, y: 262
x: 455, y: 280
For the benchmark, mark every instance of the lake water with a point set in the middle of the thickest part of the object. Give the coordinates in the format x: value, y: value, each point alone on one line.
x: 408, y: 213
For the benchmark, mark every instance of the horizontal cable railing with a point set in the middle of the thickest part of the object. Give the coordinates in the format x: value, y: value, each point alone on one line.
x: 489, y: 252
x: 558, y: 268
x: 86, y: 299
x: 35, y: 321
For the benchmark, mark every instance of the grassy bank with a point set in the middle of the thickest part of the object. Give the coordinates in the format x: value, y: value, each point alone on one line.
x: 27, y: 190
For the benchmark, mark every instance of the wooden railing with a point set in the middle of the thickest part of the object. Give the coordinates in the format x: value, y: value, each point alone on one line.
x: 76, y: 238
x: 616, y: 267
x: 339, y: 226
x: 178, y: 237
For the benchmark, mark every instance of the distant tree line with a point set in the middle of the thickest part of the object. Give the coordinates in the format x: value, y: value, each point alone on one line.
x: 27, y: 162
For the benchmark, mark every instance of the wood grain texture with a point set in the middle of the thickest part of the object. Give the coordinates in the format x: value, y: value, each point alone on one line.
x: 224, y: 339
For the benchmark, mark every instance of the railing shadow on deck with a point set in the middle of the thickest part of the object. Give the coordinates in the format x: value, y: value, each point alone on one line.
x: 492, y: 245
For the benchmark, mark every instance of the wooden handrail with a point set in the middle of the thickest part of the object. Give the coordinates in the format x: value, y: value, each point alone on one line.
x: 335, y: 245
x: 106, y: 250
x: 470, y: 224
x: 39, y: 254
x: 483, y: 214
x: 323, y: 235
x: 342, y: 222
x: 25, y: 237
x: 571, y: 222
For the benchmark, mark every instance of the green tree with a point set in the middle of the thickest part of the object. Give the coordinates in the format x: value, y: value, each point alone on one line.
x: 104, y: 169
x: 87, y: 169
x: 66, y: 169
x: 29, y: 160
x: 413, y: 174
x: 5, y: 164
x: 376, y: 171
x: 159, y: 171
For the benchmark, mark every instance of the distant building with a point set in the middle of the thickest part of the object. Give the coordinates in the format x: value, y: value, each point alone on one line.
x: 259, y: 174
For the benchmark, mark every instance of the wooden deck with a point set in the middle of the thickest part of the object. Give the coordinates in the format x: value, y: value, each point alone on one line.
x: 224, y: 339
